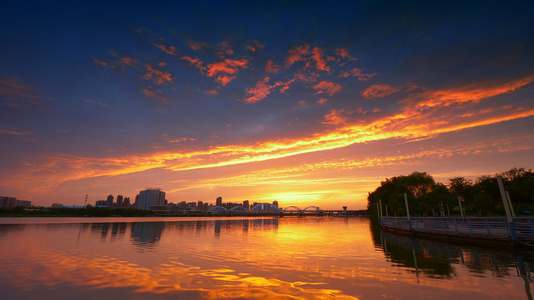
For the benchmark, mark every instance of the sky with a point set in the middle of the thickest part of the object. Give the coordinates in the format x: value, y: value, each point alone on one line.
x: 304, y: 102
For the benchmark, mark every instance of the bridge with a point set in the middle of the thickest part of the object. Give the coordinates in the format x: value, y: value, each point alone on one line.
x: 261, y: 209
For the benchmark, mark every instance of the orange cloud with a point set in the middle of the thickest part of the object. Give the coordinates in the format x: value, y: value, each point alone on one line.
x: 197, y: 45
x: 297, y: 54
x: 169, y: 50
x: 228, y: 66
x: 270, y: 67
x: 17, y: 93
x: 322, y: 101
x: 99, y: 62
x: 357, y: 73
x: 224, y: 79
x: 155, y: 94
x: 127, y: 60
x: 262, y: 90
x: 158, y: 77
x: 10, y: 132
x: 317, y: 55
x: 211, y: 92
x: 327, y: 87
x: 469, y: 93
x: 226, y: 48
x: 195, y: 61
x: 380, y: 90
x: 336, y: 117
x: 344, y: 54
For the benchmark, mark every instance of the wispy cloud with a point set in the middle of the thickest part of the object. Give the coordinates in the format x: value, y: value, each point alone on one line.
x: 18, y: 94
x: 320, y: 61
x: 355, y: 72
x: 270, y: 67
x: 197, y: 45
x: 262, y: 90
x: 11, y: 132
x: 327, y: 87
x: 158, y: 77
x: 297, y: 54
x: 169, y: 50
x: 343, y: 53
x: 380, y: 90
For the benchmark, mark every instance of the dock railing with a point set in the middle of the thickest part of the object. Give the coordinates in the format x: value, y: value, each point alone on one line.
x: 521, y: 229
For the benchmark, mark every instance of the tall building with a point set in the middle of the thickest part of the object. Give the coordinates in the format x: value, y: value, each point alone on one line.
x: 109, y: 201
x: 246, y: 204
x: 7, y: 202
x: 275, y: 204
x: 150, y: 197
x: 218, y: 202
x: 120, y: 198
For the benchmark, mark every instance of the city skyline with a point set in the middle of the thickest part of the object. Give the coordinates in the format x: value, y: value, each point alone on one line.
x: 296, y: 102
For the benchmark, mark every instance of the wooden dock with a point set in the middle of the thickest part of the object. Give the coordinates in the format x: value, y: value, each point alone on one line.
x: 490, y: 229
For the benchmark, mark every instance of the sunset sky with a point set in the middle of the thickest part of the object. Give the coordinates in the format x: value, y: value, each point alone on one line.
x: 294, y: 101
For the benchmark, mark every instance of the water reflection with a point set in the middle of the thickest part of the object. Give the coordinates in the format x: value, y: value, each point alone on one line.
x: 251, y: 258
x: 440, y: 260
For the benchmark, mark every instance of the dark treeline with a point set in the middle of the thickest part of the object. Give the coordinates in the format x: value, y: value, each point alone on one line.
x: 89, y: 211
x: 480, y: 197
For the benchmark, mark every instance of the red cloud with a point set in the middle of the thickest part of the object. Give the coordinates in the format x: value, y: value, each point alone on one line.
x: 357, y: 73
x: 169, y: 50
x: 127, y: 60
x: 322, y: 101
x: 320, y: 63
x: 226, y: 48
x: 197, y: 45
x: 257, y: 44
x: 228, y: 66
x: 195, y: 61
x: 270, y: 67
x: 262, y: 90
x: 336, y: 117
x: 249, y: 47
x: 344, y: 54
x: 224, y: 79
x: 158, y: 77
x: 155, y: 95
x: 327, y: 87
x: 296, y: 54
x: 99, y: 62
x: 211, y: 92
x: 380, y: 90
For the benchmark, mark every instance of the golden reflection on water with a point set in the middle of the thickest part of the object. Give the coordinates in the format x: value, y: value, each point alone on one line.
x: 288, y: 258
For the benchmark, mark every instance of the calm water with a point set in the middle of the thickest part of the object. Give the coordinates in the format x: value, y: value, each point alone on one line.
x: 247, y: 258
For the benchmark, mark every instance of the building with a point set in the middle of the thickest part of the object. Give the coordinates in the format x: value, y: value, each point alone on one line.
x: 218, y: 202
x: 149, y: 198
x: 246, y: 204
x: 109, y: 201
x: 120, y: 199
x: 7, y: 202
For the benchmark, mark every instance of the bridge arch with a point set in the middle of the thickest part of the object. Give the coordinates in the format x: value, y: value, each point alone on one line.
x: 264, y: 207
x: 217, y: 208
x: 238, y: 208
x: 292, y: 208
x: 313, y: 208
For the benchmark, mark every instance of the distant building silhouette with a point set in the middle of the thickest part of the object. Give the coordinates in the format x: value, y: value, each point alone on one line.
x: 149, y: 198
x: 218, y: 202
x: 246, y: 204
x: 8, y: 202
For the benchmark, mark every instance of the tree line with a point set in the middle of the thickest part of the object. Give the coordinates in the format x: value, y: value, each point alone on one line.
x: 478, y: 197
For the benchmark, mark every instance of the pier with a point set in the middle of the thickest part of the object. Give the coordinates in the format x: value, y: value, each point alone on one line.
x: 489, y: 229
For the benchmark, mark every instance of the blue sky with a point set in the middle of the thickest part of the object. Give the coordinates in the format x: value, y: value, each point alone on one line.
x: 301, y: 102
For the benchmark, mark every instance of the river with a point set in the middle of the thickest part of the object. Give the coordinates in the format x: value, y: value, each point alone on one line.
x: 246, y: 258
